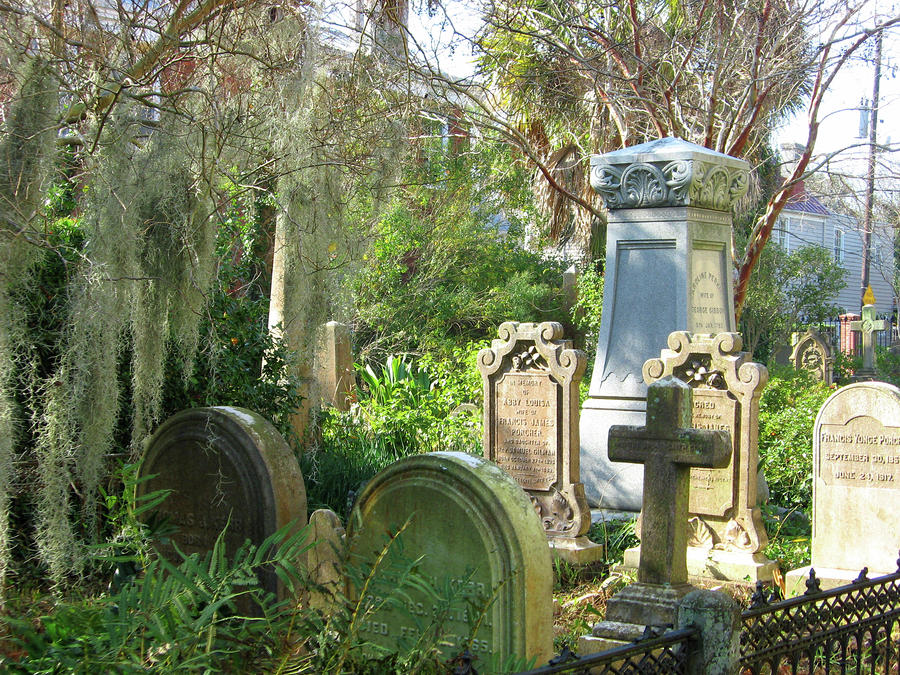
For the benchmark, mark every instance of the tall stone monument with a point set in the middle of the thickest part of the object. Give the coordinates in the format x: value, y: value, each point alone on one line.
x: 856, y: 486
x: 668, y: 268
x: 726, y: 535
x: 531, y: 379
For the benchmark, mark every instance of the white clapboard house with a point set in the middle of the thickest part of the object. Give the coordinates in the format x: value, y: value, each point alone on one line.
x: 807, y: 221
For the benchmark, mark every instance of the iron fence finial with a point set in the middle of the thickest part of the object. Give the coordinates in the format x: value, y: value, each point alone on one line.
x: 564, y: 656
x: 813, y: 585
x: 758, y: 598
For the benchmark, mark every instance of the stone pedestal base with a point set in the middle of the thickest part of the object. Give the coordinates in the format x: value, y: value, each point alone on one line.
x: 645, y: 605
x: 704, y: 563
x: 630, y: 611
x: 576, y: 550
x: 609, y: 635
x: 829, y: 577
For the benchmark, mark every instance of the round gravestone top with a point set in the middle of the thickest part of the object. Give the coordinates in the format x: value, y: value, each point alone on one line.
x: 478, y: 540
x: 225, y: 467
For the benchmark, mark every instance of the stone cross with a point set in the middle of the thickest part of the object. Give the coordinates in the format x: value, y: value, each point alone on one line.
x: 868, y: 326
x: 668, y: 448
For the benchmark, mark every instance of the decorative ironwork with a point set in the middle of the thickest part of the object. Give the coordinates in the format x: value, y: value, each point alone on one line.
x: 658, y: 654
x: 850, y: 628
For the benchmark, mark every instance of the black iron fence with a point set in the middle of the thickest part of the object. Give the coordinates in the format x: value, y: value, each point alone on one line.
x: 851, y: 629
x: 664, y: 654
x: 854, y: 628
x: 883, y: 338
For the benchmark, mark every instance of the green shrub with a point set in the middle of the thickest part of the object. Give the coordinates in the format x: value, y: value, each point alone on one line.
x: 787, y: 411
x: 405, y: 408
x: 173, y: 618
x: 589, y: 305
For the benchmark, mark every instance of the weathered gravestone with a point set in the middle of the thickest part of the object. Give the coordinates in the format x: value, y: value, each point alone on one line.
x: 477, y: 539
x: 668, y: 268
x: 668, y: 448
x: 225, y: 467
x: 326, y: 555
x: 333, y: 366
x: 531, y: 378
x: 868, y: 326
x: 813, y: 353
x: 856, y: 485
x: 726, y: 532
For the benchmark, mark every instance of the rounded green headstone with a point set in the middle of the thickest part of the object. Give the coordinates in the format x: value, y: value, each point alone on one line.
x: 477, y: 538
x: 224, y: 466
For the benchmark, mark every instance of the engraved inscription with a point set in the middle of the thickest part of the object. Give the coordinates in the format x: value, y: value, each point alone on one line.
x: 861, y: 453
x: 526, y: 428
x: 207, y: 494
x: 708, y: 304
x: 712, y: 490
x: 418, y: 614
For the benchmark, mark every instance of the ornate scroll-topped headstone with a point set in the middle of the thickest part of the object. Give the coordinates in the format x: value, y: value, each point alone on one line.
x: 856, y: 485
x: 726, y: 532
x: 225, y: 467
x: 868, y: 326
x: 475, y: 533
x: 812, y: 352
x: 668, y: 448
x: 531, y: 377
x: 668, y: 248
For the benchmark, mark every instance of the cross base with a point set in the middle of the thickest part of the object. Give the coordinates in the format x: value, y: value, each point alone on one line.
x: 645, y: 604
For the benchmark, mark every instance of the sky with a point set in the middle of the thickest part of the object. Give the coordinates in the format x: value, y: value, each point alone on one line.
x: 840, y: 116
x: 839, y: 129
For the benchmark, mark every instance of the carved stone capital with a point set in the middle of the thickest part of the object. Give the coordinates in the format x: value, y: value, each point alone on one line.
x: 669, y: 172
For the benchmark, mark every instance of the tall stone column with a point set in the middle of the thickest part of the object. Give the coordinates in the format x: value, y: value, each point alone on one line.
x: 284, y: 322
x: 668, y: 267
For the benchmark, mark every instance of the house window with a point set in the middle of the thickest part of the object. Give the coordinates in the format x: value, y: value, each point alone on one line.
x: 780, y: 232
x: 838, y: 245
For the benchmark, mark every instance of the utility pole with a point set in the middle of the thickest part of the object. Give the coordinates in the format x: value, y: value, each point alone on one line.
x: 868, y: 225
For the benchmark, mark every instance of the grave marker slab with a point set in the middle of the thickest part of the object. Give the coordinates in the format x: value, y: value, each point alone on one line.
x: 813, y: 353
x: 725, y: 522
x: 224, y: 466
x: 531, y: 379
x: 668, y: 268
x: 475, y: 532
x: 856, y: 485
x: 325, y: 559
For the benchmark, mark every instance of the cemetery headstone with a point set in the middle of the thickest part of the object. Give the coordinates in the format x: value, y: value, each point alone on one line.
x: 856, y: 485
x: 333, y: 369
x: 668, y: 247
x: 812, y: 352
x: 479, y: 545
x: 868, y: 326
x: 531, y: 379
x: 669, y: 448
x: 325, y: 557
x: 225, y: 467
x: 727, y: 535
